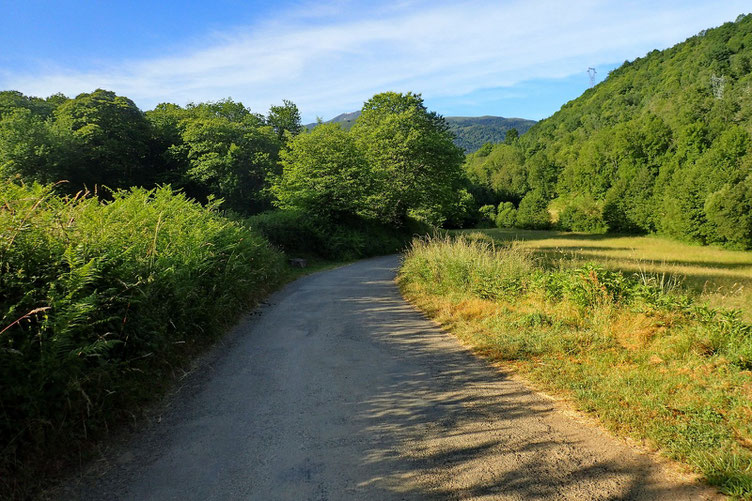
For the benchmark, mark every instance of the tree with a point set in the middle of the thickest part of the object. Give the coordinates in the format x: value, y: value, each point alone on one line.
x: 227, y: 159
x: 111, y: 136
x: 506, y: 216
x: 533, y: 211
x: 27, y: 148
x: 416, y: 167
x: 324, y: 174
x: 730, y: 211
x: 285, y: 119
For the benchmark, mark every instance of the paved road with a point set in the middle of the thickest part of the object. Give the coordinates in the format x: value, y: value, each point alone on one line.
x: 338, y: 389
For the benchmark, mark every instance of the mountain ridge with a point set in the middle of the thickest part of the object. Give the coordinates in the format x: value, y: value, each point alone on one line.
x: 471, y: 132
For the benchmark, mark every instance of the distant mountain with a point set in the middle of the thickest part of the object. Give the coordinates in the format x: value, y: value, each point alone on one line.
x: 471, y: 132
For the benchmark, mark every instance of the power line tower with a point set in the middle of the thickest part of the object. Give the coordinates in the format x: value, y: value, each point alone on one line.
x: 591, y: 73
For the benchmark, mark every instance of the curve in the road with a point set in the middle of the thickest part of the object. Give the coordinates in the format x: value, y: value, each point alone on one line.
x: 338, y: 389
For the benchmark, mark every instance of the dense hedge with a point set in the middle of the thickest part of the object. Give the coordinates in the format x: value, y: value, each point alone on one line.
x: 97, y: 300
x: 296, y: 232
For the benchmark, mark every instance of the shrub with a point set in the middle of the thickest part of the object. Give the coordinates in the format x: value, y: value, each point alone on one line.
x: 99, y: 300
x: 506, y: 216
x: 583, y: 214
x: 299, y: 233
x: 533, y: 211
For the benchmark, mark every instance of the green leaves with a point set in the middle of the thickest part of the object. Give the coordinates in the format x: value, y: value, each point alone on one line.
x: 662, y: 144
x: 97, y: 300
x: 325, y: 174
x: 415, y: 165
x: 398, y: 161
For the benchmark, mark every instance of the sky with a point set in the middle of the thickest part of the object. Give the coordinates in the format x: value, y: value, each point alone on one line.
x: 480, y: 57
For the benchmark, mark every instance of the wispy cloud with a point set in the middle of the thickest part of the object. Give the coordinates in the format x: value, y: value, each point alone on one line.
x: 329, y: 57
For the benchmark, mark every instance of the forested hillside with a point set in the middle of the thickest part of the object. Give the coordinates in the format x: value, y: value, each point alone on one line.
x: 470, y: 132
x: 662, y: 145
x: 473, y: 132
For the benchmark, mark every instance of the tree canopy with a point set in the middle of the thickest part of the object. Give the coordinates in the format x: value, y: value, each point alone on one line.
x: 416, y: 167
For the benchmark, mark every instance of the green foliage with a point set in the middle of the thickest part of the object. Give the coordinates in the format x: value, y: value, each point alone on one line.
x: 647, y: 360
x: 324, y: 174
x: 231, y: 160
x: 506, y: 216
x: 654, y: 145
x: 300, y: 233
x: 285, y: 119
x: 28, y: 149
x: 487, y: 215
x: 533, y: 211
x: 11, y: 100
x: 511, y: 136
x: 110, y: 137
x: 414, y: 164
x: 500, y: 170
x: 464, y: 213
x: 583, y: 214
x: 729, y: 211
x: 98, y: 299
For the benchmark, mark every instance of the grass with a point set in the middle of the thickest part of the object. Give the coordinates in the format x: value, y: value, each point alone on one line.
x: 647, y: 359
x: 720, y: 277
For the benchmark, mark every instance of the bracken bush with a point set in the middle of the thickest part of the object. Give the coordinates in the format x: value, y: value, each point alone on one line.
x: 100, y: 300
x: 646, y: 358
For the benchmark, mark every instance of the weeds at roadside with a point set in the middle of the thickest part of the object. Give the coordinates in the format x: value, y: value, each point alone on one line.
x: 649, y: 360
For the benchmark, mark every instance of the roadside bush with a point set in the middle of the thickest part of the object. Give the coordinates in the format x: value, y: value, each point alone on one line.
x: 100, y: 300
x: 298, y: 233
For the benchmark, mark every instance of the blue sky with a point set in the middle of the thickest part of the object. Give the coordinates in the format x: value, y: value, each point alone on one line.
x: 478, y: 57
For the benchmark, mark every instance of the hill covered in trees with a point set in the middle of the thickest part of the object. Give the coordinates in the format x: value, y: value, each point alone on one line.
x: 662, y: 145
x: 471, y: 132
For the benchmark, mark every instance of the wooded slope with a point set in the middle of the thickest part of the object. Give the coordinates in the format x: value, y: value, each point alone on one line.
x: 662, y: 145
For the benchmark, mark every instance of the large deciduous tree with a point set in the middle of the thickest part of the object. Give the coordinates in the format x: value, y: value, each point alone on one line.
x: 112, y: 138
x: 324, y: 174
x: 285, y: 119
x: 416, y: 168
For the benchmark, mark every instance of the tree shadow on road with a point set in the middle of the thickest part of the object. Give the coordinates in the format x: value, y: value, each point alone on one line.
x: 446, y: 425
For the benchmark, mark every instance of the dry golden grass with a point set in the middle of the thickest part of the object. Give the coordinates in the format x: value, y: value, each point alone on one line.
x: 721, y: 277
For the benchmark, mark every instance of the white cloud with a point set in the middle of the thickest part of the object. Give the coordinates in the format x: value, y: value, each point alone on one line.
x: 331, y: 57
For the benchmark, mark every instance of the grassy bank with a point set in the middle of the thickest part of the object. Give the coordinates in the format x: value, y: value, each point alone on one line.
x: 99, y: 304
x: 721, y: 277
x: 647, y: 359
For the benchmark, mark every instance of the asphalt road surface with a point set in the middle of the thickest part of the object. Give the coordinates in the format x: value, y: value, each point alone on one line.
x: 339, y: 389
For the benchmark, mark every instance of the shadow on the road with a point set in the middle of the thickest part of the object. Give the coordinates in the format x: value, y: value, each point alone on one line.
x: 441, y: 430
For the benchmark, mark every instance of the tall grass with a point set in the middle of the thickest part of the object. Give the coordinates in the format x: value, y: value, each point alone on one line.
x: 98, y: 301
x: 630, y: 348
x: 719, y: 276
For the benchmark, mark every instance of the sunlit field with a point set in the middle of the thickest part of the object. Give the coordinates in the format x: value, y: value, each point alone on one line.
x: 720, y: 276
